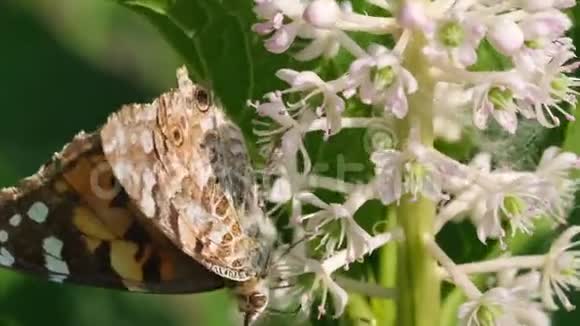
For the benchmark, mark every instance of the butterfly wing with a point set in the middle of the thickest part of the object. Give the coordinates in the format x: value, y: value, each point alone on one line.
x: 73, y: 222
x: 182, y: 150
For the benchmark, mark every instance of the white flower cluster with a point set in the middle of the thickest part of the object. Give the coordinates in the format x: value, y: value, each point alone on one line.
x: 436, y: 45
x: 525, y: 286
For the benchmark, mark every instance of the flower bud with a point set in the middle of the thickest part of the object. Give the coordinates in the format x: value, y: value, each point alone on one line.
x: 412, y: 15
x: 322, y: 13
x: 506, y: 37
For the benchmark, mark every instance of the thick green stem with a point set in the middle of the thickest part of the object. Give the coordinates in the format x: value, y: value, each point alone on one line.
x: 385, y: 310
x: 418, y: 282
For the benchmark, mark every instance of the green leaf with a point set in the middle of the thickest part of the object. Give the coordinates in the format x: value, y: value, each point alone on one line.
x: 215, y: 40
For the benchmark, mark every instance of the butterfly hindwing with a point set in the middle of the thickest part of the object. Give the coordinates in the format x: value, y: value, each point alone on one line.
x: 185, y: 165
x: 73, y: 222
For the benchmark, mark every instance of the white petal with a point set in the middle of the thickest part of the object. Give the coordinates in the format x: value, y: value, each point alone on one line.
x: 507, y: 119
x: 287, y: 75
x: 306, y: 80
x: 312, y: 199
x: 387, y: 158
x: 339, y: 297
x: 408, y: 80
x: 481, y: 113
x: 312, y: 50
x: 367, y: 92
x: 281, y: 191
x: 281, y: 40
x: 396, y: 101
x: 466, y: 55
x: 361, y: 66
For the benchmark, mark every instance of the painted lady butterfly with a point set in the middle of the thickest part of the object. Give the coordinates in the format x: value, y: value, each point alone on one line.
x: 161, y: 199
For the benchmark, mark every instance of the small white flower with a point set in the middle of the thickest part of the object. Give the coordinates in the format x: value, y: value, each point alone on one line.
x: 398, y: 173
x: 525, y: 287
x: 310, y: 83
x: 382, y: 81
x: 356, y: 238
x: 324, y: 282
x: 286, y: 20
x: 274, y: 109
x: 554, y: 89
x: 274, y: 12
x: 491, y: 198
x: 512, y: 302
x: 561, y: 270
x: 556, y: 166
x: 455, y: 39
x: 543, y: 32
x: 493, y: 308
x: 290, y: 188
x: 521, y: 202
x: 297, y: 264
x: 281, y: 126
x: 545, y: 26
x: 520, y: 198
x: 495, y: 101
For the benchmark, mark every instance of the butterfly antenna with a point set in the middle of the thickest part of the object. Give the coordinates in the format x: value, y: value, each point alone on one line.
x: 295, y: 244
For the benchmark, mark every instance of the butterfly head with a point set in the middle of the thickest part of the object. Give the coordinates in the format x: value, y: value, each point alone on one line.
x: 253, y: 298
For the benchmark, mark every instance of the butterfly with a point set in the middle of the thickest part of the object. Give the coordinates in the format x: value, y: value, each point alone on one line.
x: 161, y: 199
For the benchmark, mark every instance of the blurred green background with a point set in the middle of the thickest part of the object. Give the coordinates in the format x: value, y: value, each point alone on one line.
x: 65, y: 65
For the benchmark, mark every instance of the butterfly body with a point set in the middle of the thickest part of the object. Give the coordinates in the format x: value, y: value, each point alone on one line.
x: 161, y: 199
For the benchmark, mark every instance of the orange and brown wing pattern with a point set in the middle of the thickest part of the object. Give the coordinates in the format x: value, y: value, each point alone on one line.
x: 73, y: 222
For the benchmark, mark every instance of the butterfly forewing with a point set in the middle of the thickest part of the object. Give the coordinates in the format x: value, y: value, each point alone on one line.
x: 73, y: 222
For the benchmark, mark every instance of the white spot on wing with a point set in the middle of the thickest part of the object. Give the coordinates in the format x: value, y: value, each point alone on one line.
x: 147, y: 202
x: 56, y: 265
x: 15, y: 220
x: 38, y: 212
x: 3, y: 236
x: 53, y: 259
x: 6, y: 258
x: 52, y: 246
